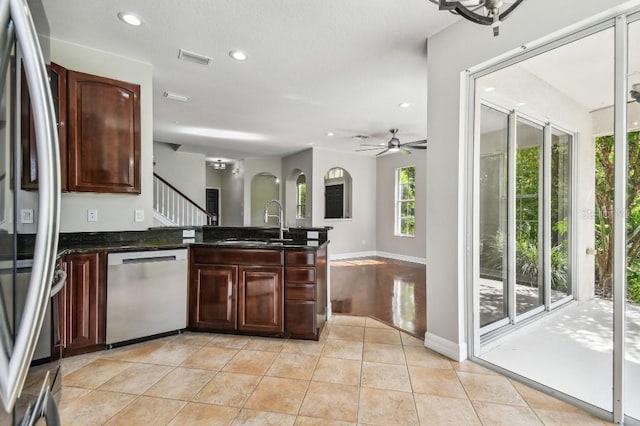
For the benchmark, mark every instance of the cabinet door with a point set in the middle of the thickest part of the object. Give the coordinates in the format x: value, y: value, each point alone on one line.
x: 261, y: 303
x: 58, y: 83
x: 85, y: 304
x: 212, y: 297
x: 103, y: 134
x: 301, y: 319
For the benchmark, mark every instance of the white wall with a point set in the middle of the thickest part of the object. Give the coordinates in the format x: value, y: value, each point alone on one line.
x: 232, y: 195
x: 386, y: 240
x: 451, y: 52
x: 355, y: 235
x: 263, y: 189
x: 302, y: 161
x: 184, y: 170
x: 214, y: 177
x: 252, y: 167
x: 115, y: 211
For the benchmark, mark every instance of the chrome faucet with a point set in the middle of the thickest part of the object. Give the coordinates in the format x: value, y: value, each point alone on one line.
x: 279, y: 216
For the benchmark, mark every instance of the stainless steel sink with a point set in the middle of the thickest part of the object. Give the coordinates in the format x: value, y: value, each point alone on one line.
x: 241, y: 242
x: 256, y: 241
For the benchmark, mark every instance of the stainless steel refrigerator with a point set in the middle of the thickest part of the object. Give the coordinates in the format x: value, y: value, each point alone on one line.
x: 29, y: 371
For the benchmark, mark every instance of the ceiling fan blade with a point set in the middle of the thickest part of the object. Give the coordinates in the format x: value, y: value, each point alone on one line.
x: 373, y: 144
x: 405, y: 151
x: 369, y: 149
x: 414, y: 143
x: 380, y: 153
x: 417, y: 147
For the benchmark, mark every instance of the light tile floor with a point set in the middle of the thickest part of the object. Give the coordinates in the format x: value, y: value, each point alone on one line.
x: 360, y: 372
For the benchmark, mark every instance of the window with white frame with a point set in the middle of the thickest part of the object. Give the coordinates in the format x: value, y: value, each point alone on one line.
x: 405, y: 222
x: 301, y: 197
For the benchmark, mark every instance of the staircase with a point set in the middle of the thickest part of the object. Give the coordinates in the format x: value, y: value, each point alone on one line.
x: 173, y: 208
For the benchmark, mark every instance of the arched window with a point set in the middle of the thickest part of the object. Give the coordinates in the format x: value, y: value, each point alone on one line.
x: 337, y: 194
x: 301, y: 197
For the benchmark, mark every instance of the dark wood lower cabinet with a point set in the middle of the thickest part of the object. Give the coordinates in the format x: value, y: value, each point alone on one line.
x: 301, y: 318
x: 267, y: 292
x: 260, y: 306
x: 83, y: 304
x: 212, y: 297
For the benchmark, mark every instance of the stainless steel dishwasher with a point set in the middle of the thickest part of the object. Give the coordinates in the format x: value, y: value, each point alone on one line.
x: 146, y: 293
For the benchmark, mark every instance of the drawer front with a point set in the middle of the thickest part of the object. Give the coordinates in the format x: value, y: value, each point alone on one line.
x: 300, y: 275
x: 301, y: 319
x: 300, y: 292
x: 301, y: 258
x: 205, y: 255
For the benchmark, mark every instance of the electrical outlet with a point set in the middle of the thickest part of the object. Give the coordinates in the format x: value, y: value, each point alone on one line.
x: 139, y: 215
x: 92, y: 215
x: 26, y: 215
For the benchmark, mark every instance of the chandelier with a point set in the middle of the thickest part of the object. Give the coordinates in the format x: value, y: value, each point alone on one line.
x: 483, y: 12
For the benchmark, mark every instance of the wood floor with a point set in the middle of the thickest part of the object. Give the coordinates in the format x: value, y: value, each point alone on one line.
x: 389, y: 290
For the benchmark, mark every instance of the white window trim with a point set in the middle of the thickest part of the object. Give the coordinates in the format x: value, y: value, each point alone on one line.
x: 397, y: 203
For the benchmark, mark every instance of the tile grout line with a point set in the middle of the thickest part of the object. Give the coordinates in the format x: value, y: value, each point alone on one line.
x: 473, y: 407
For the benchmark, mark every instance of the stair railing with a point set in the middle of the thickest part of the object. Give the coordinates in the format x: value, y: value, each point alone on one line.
x: 178, y: 208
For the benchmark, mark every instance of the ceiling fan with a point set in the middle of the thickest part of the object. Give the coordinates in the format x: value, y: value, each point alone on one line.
x: 394, y: 145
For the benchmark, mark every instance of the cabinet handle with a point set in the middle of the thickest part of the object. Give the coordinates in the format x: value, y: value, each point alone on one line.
x: 14, y: 363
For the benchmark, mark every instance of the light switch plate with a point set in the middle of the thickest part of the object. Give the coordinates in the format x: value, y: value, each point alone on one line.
x: 188, y: 233
x: 92, y: 215
x: 139, y: 215
x: 312, y: 235
x: 26, y: 215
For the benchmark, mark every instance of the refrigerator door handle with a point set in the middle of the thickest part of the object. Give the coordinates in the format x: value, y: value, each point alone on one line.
x: 14, y: 368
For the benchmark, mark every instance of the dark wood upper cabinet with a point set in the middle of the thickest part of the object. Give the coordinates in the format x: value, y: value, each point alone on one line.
x: 103, y: 134
x: 58, y: 83
x: 84, y: 304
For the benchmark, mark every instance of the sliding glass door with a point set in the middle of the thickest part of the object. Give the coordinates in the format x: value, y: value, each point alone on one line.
x: 555, y: 196
x: 524, y: 224
x: 632, y: 307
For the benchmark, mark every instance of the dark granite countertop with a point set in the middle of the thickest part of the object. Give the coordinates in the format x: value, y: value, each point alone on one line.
x: 171, y: 238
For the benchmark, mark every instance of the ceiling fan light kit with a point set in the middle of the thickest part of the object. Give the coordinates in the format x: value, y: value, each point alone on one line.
x: 483, y: 12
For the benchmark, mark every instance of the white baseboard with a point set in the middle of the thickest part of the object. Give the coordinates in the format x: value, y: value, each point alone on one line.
x: 355, y: 255
x: 457, y: 352
x: 413, y: 259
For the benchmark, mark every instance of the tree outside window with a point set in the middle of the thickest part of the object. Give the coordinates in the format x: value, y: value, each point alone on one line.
x: 405, y: 201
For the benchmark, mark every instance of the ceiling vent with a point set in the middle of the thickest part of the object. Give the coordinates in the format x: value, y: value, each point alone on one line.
x: 194, y: 57
x: 361, y: 137
x: 176, y: 96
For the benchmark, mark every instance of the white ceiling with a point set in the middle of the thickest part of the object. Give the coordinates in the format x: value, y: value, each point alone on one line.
x: 314, y: 67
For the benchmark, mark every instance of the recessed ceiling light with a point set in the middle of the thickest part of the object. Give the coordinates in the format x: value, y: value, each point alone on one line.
x: 404, y: 105
x: 521, y: 103
x: 330, y: 134
x: 489, y: 89
x: 238, y: 55
x: 635, y: 123
x: 130, y: 18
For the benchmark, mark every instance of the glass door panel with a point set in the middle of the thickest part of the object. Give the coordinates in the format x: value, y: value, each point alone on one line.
x: 528, y: 217
x: 561, y: 143
x: 632, y: 307
x: 493, y: 287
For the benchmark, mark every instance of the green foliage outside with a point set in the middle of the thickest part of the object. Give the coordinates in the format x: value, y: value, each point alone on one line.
x: 605, y: 215
x: 528, y: 259
x: 406, y: 198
